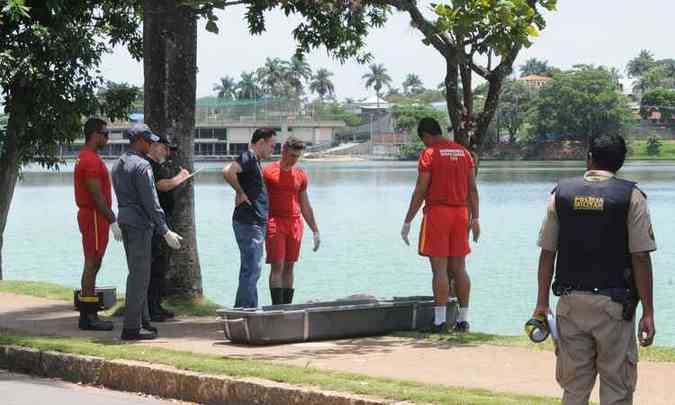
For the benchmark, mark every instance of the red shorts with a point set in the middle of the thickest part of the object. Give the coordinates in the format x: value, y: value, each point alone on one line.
x: 94, y: 228
x: 284, y: 236
x: 445, y: 232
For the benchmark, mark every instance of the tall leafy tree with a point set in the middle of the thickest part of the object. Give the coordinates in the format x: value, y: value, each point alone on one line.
x: 48, y: 64
x: 640, y: 64
x: 247, y: 88
x: 321, y: 84
x: 118, y: 99
x: 412, y: 85
x: 299, y: 72
x: 514, y: 102
x: 579, y: 104
x: 226, y: 89
x: 170, y: 44
x: 274, y: 77
x: 476, y: 37
x: 377, y: 78
x: 534, y: 66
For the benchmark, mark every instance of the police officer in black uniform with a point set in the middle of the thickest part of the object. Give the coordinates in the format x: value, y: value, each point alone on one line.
x: 598, y: 235
x: 166, y: 185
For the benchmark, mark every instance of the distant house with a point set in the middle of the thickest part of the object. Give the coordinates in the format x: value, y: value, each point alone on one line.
x: 535, y: 82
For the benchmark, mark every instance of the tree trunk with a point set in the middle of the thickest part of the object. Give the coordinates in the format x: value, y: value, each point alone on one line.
x: 185, y: 278
x: 154, y: 64
x: 489, y: 111
x: 452, y: 99
x: 9, y: 158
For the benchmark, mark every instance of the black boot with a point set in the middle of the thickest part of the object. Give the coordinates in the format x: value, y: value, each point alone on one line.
x: 277, y: 296
x: 89, y: 317
x: 148, y: 326
x: 138, y: 334
x: 288, y: 295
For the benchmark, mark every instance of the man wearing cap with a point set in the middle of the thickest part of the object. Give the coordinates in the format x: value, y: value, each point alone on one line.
x: 140, y: 215
x: 95, y: 218
x: 289, y: 203
x: 595, y: 243
x: 157, y: 156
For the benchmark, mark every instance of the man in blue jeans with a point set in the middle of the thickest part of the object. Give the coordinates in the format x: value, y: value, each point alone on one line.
x: 250, y: 213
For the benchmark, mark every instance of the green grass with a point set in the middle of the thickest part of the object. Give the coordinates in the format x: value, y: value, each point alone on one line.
x: 658, y: 354
x: 182, y: 307
x: 307, y: 376
x: 639, y: 150
x: 37, y: 289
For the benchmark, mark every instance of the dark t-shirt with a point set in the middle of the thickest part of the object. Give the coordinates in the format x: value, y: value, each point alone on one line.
x: 251, y: 181
x: 165, y: 197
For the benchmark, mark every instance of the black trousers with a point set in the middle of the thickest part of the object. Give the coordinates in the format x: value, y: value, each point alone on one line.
x: 158, y: 270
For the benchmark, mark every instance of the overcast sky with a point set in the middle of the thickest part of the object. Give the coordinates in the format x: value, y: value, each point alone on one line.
x: 601, y: 32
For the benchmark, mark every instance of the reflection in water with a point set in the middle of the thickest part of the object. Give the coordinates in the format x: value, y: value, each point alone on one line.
x: 360, y: 207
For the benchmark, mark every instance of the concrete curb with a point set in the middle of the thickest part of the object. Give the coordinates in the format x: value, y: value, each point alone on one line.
x: 169, y: 382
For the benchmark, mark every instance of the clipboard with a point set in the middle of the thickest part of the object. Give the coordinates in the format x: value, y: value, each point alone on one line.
x: 193, y: 173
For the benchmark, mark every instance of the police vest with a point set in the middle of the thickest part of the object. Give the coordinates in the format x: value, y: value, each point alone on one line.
x: 593, y: 238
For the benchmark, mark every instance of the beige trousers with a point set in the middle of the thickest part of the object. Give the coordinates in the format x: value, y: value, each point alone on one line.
x: 595, y: 340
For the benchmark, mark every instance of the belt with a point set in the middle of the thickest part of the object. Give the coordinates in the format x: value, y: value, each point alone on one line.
x: 607, y: 292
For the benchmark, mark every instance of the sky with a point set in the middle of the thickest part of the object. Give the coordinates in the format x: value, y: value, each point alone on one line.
x: 600, y: 32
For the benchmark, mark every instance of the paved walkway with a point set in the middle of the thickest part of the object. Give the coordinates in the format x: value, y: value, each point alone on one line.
x: 496, y: 368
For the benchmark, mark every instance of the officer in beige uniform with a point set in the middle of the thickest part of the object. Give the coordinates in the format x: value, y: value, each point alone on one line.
x: 598, y: 234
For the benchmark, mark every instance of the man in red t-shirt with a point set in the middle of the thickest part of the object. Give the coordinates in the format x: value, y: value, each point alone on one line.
x: 446, y: 185
x: 95, y: 217
x: 288, y: 204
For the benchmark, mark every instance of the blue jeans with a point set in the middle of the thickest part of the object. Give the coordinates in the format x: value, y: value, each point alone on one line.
x: 251, y: 239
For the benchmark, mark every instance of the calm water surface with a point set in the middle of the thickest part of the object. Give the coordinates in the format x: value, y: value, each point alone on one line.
x: 359, y: 207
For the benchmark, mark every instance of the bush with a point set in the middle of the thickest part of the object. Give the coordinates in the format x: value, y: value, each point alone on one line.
x: 653, y: 145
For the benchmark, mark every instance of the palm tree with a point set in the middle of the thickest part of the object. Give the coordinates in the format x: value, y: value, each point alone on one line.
x: 298, y: 72
x: 226, y: 88
x: 274, y: 76
x: 321, y: 84
x: 534, y: 66
x: 640, y: 64
x: 377, y: 78
x: 412, y: 85
x: 248, y: 86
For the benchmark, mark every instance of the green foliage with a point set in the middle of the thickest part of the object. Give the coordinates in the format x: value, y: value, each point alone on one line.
x: 493, y: 25
x: 640, y: 64
x: 412, y: 85
x: 336, y: 111
x: 407, y: 117
x: 653, y: 145
x: 117, y: 100
x: 247, y: 88
x: 661, y: 100
x: 226, y: 89
x: 658, y: 76
x: 48, y: 63
x: 579, y: 103
x: 377, y: 78
x: 534, y: 66
x: 514, y: 102
x: 321, y: 83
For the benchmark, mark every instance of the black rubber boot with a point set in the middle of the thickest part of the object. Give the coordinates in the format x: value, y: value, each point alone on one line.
x: 277, y: 296
x: 288, y: 295
x: 89, y: 317
x: 138, y: 334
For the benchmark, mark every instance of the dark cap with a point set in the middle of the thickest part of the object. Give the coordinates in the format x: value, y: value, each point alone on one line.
x: 141, y: 130
x: 163, y: 139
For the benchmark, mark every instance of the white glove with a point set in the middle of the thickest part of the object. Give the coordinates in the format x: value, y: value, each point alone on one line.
x: 405, y: 231
x: 317, y: 241
x: 173, y: 240
x: 116, y: 231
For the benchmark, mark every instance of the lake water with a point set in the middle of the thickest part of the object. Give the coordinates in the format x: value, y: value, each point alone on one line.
x: 360, y: 208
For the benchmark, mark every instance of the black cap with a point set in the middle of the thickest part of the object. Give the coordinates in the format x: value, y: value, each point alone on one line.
x: 163, y: 139
x: 142, y: 130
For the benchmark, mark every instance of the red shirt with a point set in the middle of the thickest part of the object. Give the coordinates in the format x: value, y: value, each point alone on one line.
x: 449, y: 164
x: 90, y: 165
x: 283, y: 189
